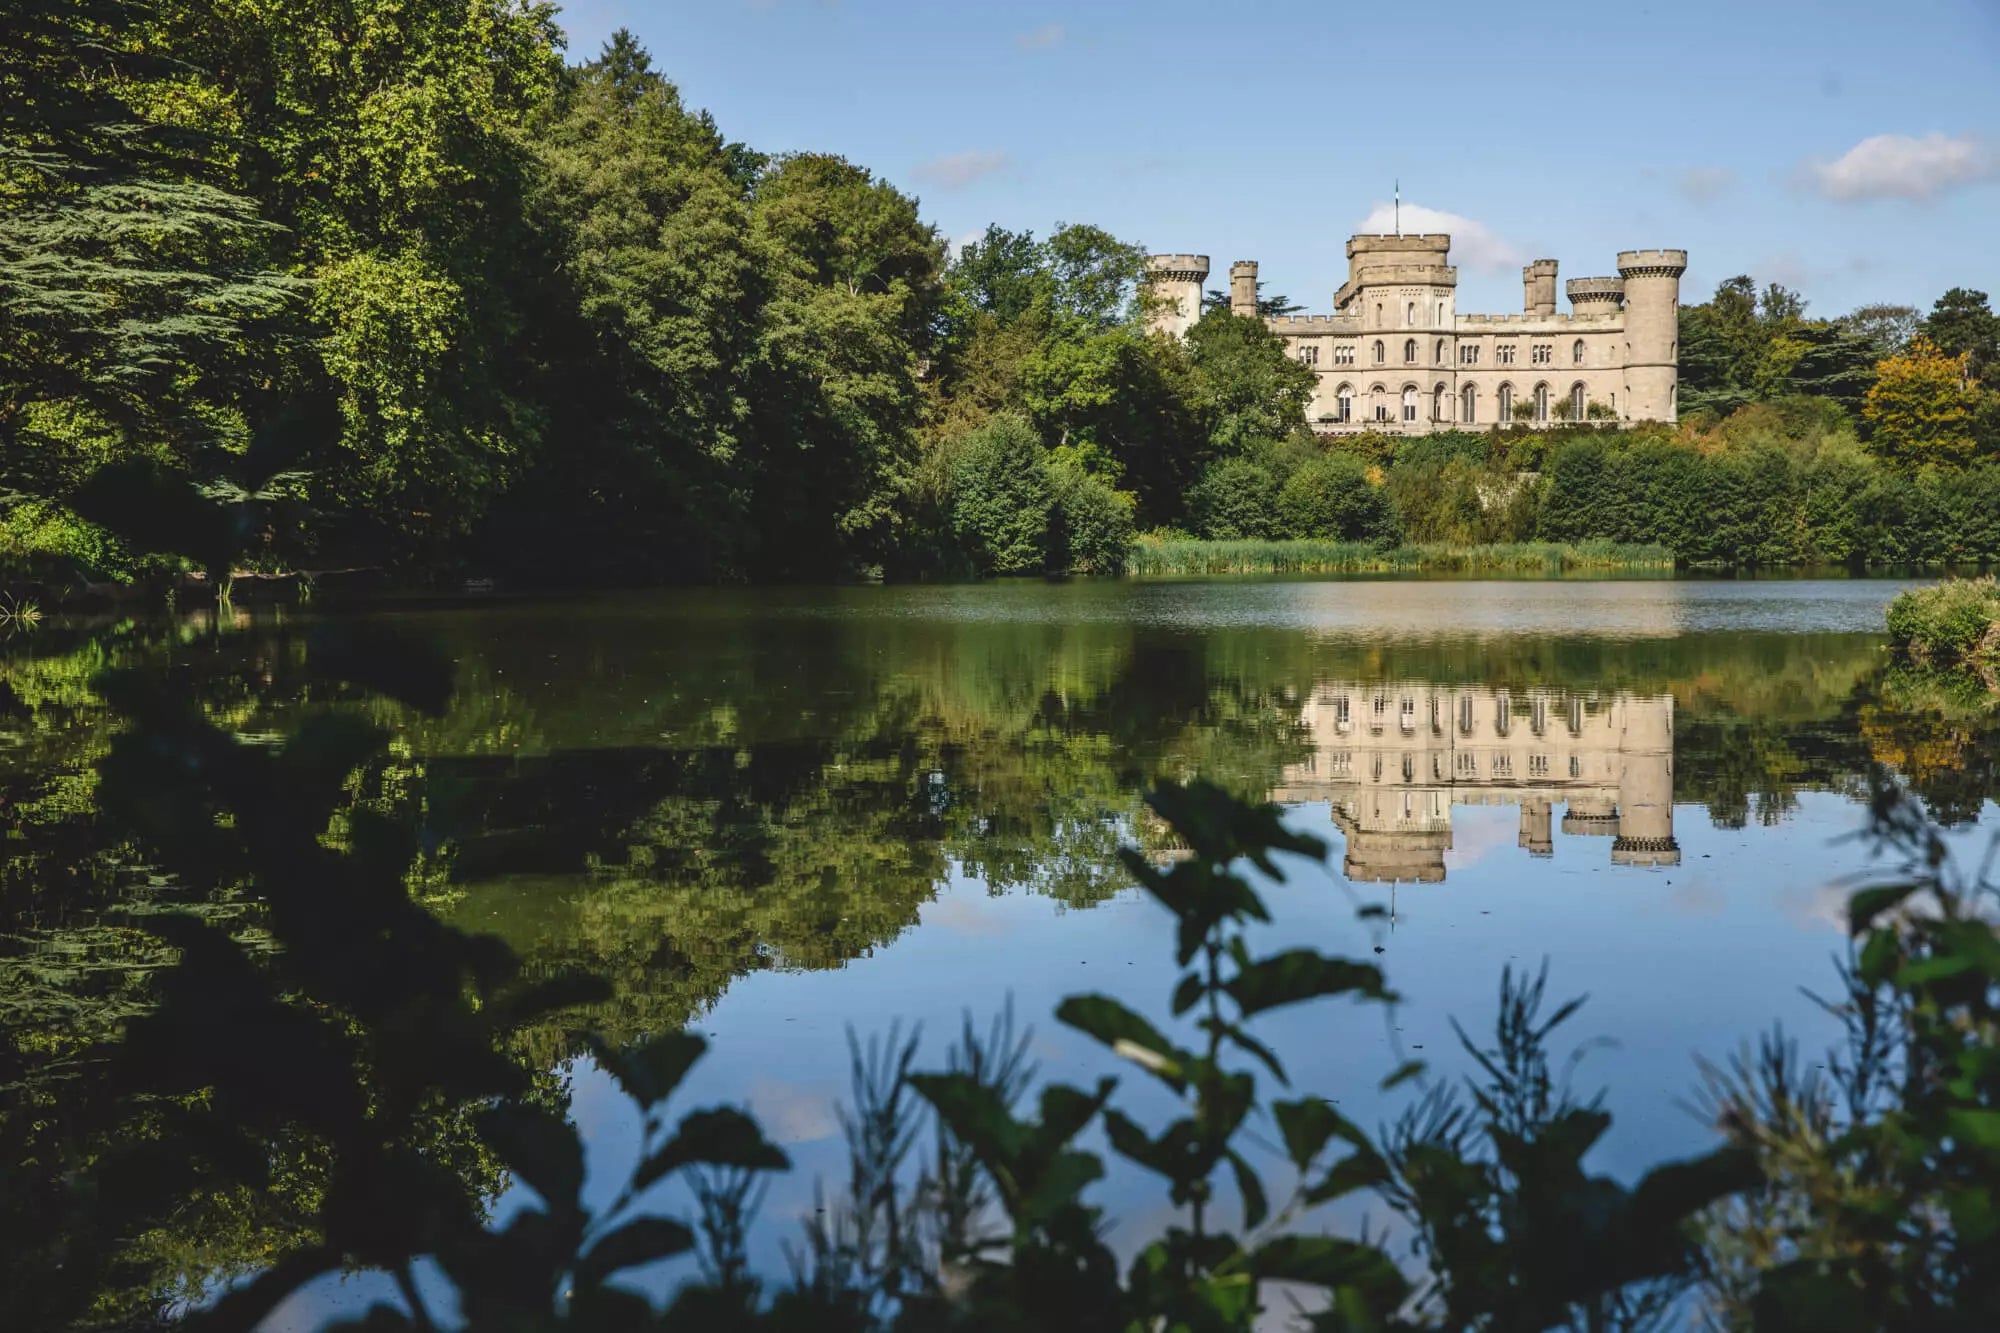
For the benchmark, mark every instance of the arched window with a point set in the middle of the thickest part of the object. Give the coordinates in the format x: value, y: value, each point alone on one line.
x: 1440, y: 351
x: 1344, y: 411
x: 1468, y: 405
x: 1576, y: 353
x: 1379, y: 396
x: 1440, y: 314
x: 1437, y: 403
x: 1576, y: 404
x: 1409, y: 351
x: 1380, y: 351
x: 1541, y: 402
x: 1410, y: 314
x: 1409, y: 402
x: 1378, y: 312
x: 1506, y: 408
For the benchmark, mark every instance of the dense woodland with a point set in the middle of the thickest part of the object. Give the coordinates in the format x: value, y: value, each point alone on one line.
x: 401, y: 289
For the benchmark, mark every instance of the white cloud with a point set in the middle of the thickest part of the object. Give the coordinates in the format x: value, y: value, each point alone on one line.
x: 1473, y: 244
x: 1042, y: 38
x: 1705, y: 185
x: 955, y: 171
x: 1896, y: 166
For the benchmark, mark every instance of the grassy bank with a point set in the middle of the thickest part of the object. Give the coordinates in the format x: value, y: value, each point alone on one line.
x: 1153, y: 559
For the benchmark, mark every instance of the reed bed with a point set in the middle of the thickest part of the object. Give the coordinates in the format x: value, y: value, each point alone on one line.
x: 1157, y: 559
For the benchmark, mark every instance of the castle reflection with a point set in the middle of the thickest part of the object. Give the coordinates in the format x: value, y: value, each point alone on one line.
x: 1392, y: 761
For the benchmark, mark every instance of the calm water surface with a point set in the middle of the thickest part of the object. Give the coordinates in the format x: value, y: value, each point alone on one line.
x: 787, y: 815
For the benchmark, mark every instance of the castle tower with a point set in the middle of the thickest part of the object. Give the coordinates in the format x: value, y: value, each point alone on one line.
x: 1652, y: 331
x: 1243, y: 289
x: 1590, y: 297
x: 1646, y: 786
x: 1399, y: 283
x: 1538, y: 289
x: 1173, y: 292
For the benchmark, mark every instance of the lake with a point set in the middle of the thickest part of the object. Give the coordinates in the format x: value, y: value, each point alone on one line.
x: 787, y: 815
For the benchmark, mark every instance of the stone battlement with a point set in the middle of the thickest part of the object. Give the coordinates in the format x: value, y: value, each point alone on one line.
x: 1178, y: 264
x: 1315, y: 323
x: 1663, y: 263
x: 1539, y: 268
x: 1595, y: 289
x: 1427, y: 243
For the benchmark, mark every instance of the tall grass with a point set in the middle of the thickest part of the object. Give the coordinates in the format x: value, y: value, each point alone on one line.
x: 1150, y: 558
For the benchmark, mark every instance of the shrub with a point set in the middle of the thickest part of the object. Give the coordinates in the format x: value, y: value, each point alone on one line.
x: 1953, y: 621
x: 1002, y: 497
x: 1094, y: 522
x: 1330, y: 497
x: 1236, y: 498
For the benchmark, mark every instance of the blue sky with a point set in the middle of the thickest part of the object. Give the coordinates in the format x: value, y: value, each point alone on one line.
x: 1850, y: 150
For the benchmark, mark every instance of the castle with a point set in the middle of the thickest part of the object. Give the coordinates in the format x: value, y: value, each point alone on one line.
x: 1396, y: 356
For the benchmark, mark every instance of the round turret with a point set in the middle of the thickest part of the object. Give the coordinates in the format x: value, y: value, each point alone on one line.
x: 1243, y: 288
x: 1652, y: 331
x: 1595, y: 296
x: 1173, y: 290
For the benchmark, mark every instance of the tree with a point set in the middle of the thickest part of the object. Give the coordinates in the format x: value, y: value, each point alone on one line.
x: 855, y: 287
x: 143, y: 313
x: 1002, y: 497
x: 1963, y: 324
x: 1919, y: 409
x: 665, y: 288
x: 1245, y: 386
x: 1888, y: 327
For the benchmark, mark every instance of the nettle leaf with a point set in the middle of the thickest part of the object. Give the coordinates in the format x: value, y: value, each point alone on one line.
x: 1865, y: 906
x: 1361, y: 1170
x: 1325, y: 1261
x: 1128, y: 1035
x: 1188, y: 992
x: 1255, y: 1206
x: 650, y: 1070
x: 538, y: 1146
x: 1298, y: 975
x: 643, y: 1240
x: 1308, y: 1124
x: 719, y: 1136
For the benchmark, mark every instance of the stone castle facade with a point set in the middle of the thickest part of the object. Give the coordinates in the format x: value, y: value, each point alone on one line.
x: 1396, y: 355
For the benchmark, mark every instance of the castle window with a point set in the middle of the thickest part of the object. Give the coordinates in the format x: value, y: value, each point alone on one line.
x: 1465, y: 714
x: 1410, y: 403
x: 1541, y: 402
x: 1544, y: 354
x: 1343, y: 354
x: 1468, y: 354
x: 1437, y: 403
x: 1440, y: 314
x: 1576, y: 353
x: 1380, y: 350
x: 1575, y: 767
x: 1409, y: 351
x: 1538, y: 765
x: 1576, y: 404
x: 1506, y: 402
x: 1440, y: 351
x: 1468, y: 409
x: 1503, y: 355
x: 1468, y: 764
x: 1410, y: 314
x: 1344, y: 405
x: 1309, y: 355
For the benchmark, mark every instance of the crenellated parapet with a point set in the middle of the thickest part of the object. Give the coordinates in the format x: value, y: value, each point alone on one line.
x: 1595, y: 296
x: 1652, y: 263
x: 1177, y: 268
